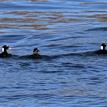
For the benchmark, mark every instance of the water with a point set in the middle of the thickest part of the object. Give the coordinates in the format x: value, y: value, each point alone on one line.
x: 65, y: 31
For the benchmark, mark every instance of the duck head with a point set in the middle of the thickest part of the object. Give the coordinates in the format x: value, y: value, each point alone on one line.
x: 5, y: 48
x: 35, y: 51
x: 103, y: 46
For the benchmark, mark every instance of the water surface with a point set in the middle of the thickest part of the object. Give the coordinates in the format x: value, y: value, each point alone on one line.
x: 65, y: 31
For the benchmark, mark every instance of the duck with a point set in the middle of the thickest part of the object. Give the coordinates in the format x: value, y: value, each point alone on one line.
x: 102, y: 50
x: 35, y: 54
x: 4, y: 53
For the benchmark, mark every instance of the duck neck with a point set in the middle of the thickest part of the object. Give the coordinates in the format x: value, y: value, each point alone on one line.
x: 35, y: 53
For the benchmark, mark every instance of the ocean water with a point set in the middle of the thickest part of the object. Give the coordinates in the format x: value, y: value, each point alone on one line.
x: 67, y: 32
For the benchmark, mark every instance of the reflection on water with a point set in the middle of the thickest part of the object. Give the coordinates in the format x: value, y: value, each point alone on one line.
x: 67, y: 32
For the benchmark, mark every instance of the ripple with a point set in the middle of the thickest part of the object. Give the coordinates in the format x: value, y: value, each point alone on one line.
x: 67, y: 32
x: 98, y: 29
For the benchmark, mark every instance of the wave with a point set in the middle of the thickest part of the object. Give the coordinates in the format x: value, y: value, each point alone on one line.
x: 98, y: 29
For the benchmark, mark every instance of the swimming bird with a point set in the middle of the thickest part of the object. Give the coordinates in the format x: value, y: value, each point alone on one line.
x: 4, y: 53
x: 102, y: 49
x: 35, y: 54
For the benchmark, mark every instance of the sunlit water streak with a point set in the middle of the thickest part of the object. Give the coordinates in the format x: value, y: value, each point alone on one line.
x: 67, y: 32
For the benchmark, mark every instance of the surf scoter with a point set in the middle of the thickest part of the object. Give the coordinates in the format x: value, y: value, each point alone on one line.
x: 35, y: 54
x: 4, y: 53
x: 102, y: 50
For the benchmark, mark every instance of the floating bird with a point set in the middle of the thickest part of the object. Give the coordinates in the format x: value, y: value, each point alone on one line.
x: 5, y: 53
x: 103, y: 49
x: 36, y: 53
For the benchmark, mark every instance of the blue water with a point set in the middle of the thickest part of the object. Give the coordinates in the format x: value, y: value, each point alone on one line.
x: 65, y: 31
